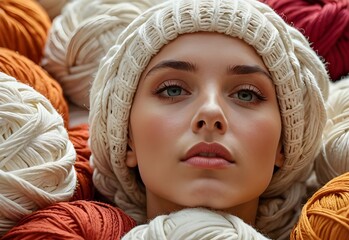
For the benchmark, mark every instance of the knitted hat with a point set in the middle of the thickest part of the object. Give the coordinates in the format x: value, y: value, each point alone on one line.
x: 296, y: 70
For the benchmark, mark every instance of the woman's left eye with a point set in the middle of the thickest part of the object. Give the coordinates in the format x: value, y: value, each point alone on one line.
x: 248, y: 95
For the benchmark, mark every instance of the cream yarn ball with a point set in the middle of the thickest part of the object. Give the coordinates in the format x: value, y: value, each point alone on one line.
x: 334, y: 157
x: 36, y: 156
x: 195, y: 223
x: 81, y: 36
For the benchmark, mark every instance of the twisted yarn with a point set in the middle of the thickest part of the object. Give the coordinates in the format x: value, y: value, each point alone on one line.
x: 28, y: 72
x: 36, y: 156
x: 24, y: 27
x: 77, y: 220
x: 81, y: 36
x: 296, y: 70
x: 326, y: 213
x: 326, y: 23
x: 333, y: 159
x: 79, y: 135
x: 53, y: 8
x: 195, y: 223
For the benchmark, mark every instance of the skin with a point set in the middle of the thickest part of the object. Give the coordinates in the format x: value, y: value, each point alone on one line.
x: 205, y: 88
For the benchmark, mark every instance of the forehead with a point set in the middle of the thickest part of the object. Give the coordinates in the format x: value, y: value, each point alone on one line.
x: 200, y: 47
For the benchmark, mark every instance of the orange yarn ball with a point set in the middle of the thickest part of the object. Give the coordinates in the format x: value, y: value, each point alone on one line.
x: 79, y: 135
x: 26, y: 71
x: 326, y: 213
x: 24, y: 26
x: 77, y: 220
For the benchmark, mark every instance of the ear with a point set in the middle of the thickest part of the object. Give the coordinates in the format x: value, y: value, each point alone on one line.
x: 131, y: 158
x: 279, y: 157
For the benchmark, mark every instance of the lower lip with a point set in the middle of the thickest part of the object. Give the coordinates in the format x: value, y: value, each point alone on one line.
x: 208, y: 163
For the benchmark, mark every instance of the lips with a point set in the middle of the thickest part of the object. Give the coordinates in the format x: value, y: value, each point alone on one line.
x: 208, y: 155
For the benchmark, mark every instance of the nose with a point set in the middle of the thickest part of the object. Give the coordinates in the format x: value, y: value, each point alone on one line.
x: 210, y: 117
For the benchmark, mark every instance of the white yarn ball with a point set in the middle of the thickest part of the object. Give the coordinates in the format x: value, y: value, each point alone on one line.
x: 195, y: 223
x: 36, y: 156
x: 81, y: 36
x: 334, y: 157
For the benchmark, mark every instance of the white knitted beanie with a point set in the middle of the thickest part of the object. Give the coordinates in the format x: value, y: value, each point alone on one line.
x: 80, y: 36
x: 36, y: 157
x: 299, y: 76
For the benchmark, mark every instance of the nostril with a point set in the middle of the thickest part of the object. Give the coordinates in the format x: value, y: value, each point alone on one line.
x: 201, y: 123
x: 218, y: 125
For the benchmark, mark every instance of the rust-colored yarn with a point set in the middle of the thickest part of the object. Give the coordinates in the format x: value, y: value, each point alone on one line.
x: 326, y: 213
x: 24, y: 26
x: 326, y: 23
x: 28, y: 72
x: 77, y: 220
x: 79, y: 135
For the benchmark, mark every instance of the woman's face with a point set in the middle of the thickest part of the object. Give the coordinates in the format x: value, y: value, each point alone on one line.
x: 205, y: 126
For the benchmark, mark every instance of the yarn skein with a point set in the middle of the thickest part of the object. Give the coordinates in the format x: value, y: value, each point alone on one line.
x: 81, y: 36
x: 36, y: 156
x: 26, y: 71
x: 326, y: 24
x: 77, y: 220
x: 24, y: 27
x: 79, y: 135
x: 194, y: 223
x: 326, y: 213
x: 333, y: 159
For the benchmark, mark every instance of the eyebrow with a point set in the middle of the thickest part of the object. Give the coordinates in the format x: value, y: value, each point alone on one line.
x: 247, y: 69
x: 190, y: 67
x: 174, y: 64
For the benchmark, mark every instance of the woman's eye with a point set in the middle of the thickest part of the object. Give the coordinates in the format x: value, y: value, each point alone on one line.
x: 173, y: 91
x: 249, y: 95
x: 170, y: 90
x: 244, y: 95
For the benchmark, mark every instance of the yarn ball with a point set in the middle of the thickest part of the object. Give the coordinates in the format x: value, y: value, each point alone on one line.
x: 24, y: 27
x: 333, y: 159
x: 326, y: 24
x: 53, y: 8
x: 79, y: 135
x: 77, y: 220
x: 326, y: 213
x: 194, y: 223
x: 28, y: 72
x: 36, y: 156
x: 81, y: 36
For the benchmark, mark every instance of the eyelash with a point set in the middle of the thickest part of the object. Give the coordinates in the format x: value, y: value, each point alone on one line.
x: 166, y: 85
x: 246, y: 88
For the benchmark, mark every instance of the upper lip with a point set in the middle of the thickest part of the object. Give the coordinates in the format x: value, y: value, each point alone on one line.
x: 210, y: 148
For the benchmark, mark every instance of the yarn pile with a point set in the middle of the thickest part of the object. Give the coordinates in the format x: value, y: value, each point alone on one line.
x: 326, y: 24
x: 77, y: 220
x: 36, y: 156
x: 326, y: 213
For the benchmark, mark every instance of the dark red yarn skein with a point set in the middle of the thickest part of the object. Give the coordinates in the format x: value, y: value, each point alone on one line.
x: 326, y: 24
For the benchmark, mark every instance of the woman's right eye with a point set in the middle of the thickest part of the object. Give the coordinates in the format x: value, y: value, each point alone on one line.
x: 170, y: 90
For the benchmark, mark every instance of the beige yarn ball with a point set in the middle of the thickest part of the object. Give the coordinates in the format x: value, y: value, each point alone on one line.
x: 81, y: 36
x: 195, y: 223
x: 36, y: 156
x: 53, y: 7
x: 334, y: 157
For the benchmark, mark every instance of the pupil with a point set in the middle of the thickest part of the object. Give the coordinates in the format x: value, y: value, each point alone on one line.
x: 246, y: 96
x: 175, y: 91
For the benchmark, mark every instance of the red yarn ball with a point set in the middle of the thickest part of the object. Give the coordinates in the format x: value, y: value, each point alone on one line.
x: 79, y: 135
x: 77, y: 220
x: 326, y: 24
